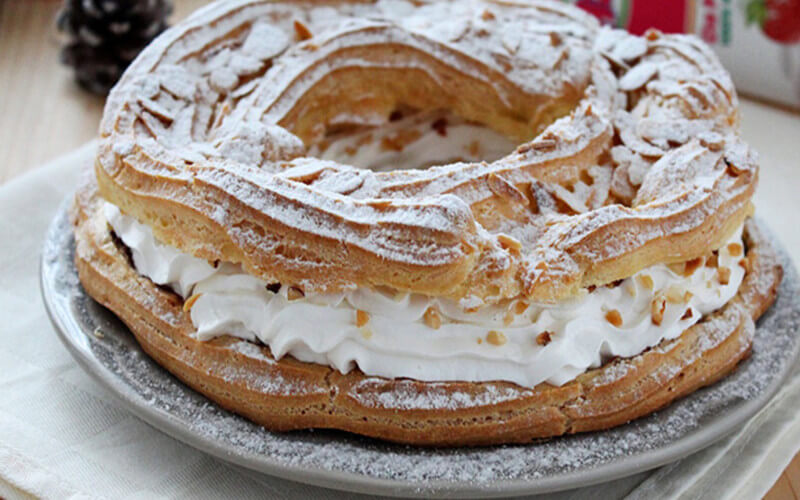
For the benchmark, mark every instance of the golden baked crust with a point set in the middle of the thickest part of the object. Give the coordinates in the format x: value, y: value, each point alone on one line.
x: 288, y: 394
x: 204, y: 140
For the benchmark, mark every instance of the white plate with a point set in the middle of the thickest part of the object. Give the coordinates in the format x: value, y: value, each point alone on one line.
x: 347, y: 462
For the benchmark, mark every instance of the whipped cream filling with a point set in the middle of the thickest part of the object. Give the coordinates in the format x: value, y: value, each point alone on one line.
x: 496, y: 342
x: 416, y: 141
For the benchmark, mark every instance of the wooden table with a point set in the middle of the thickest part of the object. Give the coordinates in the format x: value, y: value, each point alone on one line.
x: 44, y: 114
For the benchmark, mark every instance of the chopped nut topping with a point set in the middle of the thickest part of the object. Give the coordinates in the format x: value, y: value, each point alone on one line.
x: 508, y: 317
x: 509, y: 243
x: 688, y: 314
x: 366, y: 333
x: 440, y: 126
x: 691, y: 266
x: 712, y: 260
x: 674, y: 295
x: 362, y: 318
x: 432, y: 318
x: 189, y: 303
x: 496, y: 338
x: 631, y: 290
x: 544, y: 145
x: 520, y: 307
x: 614, y: 317
x: 380, y: 204
x: 744, y: 263
x: 480, y: 340
x: 474, y: 148
x: 302, y: 31
x: 505, y: 189
x: 646, y: 281
x: 294, y: 293
x: 724, y: 275
x: 735, y: 249
x: 400, y: 140
x: 733, y: 170
x: 544, y: 338
x: 555, y: 39
x: 677, y: 268
x: 657, y: 308
x: 487, y: 15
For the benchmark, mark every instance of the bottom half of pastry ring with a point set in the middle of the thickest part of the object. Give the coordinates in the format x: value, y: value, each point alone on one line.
x: 288, y: 394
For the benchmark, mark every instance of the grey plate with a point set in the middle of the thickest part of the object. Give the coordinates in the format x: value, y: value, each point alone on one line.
x: 344, y: 461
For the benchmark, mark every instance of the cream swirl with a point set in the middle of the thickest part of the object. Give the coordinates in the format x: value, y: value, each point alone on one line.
x: 396, y: 340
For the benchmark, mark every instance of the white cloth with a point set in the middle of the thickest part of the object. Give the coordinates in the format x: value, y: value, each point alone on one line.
x: 63, y: 436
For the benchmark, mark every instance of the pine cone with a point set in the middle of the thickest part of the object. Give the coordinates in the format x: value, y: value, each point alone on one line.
x: 106, y: 35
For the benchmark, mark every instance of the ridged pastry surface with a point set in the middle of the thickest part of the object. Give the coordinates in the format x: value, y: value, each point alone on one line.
x: 629, y: 151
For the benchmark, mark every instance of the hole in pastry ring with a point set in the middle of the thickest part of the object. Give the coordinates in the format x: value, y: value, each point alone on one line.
x: 629, y: 150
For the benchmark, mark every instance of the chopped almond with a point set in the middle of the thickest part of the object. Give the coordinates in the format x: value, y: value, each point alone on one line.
x: 735, y: 249
x: 712, y: 260
x: 520, y: 307
x: 509, y: 243
x: 432, y: 318
x: 362, y: 318
x: 724, y: 275
x: 187, y: 306
x: 302, y: 31
x: 496, y: 338
x: 733, y: 170
x: 677, y: 268
x: 544, y: 338
x: 614, y: 317
x: 400, y: 140
x: 366, y: 333
x: 657, y: 308
x: 687, y: 314
x: 646, y: 281
x: 474, y: 148
x: 691, y: 266
x: 744, y: 263
x: 674, y: 295
x: 487, y: 15
x: 294, y: 293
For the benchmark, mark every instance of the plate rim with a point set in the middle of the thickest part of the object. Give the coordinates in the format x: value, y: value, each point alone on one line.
x: 67, y: 328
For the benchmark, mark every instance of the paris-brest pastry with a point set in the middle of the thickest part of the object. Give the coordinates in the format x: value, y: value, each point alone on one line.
x: 446, y: 223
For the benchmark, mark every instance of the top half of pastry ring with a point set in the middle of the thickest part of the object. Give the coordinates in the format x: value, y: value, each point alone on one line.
x: 629, y: 150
